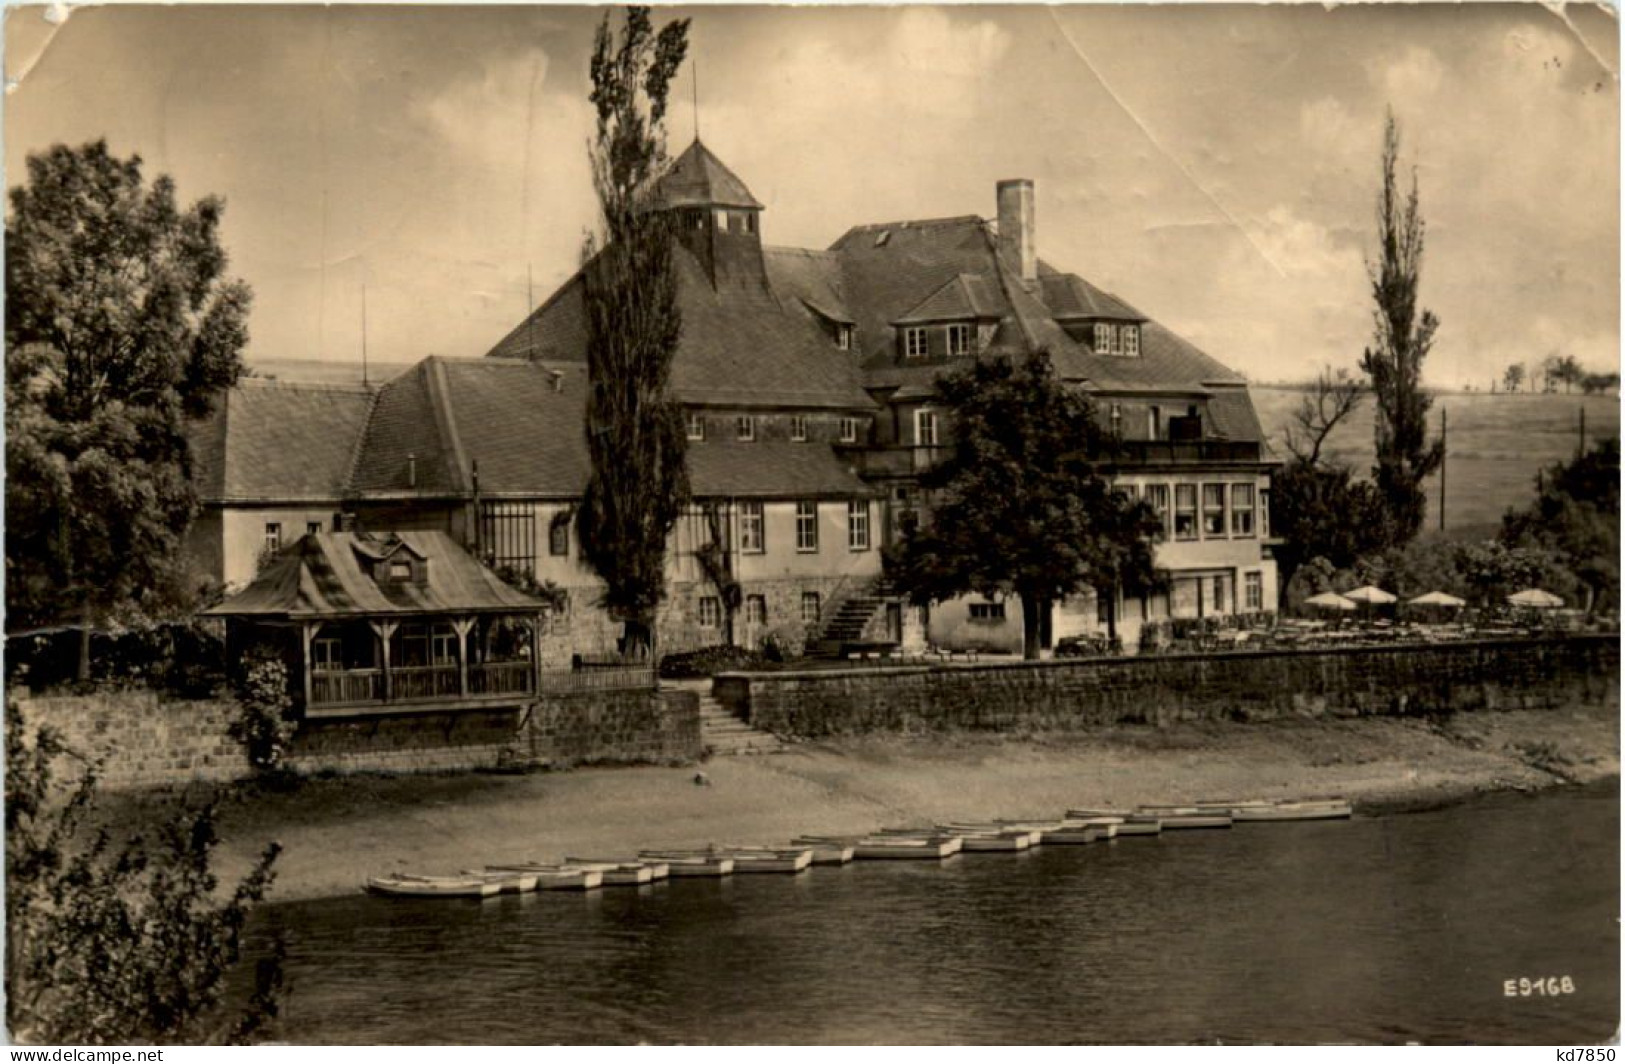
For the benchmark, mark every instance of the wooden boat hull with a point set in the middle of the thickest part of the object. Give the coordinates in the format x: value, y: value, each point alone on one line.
x: 996, y: 843
x: 627, y: 871
x: 1285, y: 811
x: 1189, y: 821
x: 507, y: 882
x: 1074, y: 836
x: 432, y: 886
x: 897, y: 848
x: 825, y: 852
x: 683, y: 866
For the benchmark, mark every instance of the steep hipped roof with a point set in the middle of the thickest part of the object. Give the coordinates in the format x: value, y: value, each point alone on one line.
x: 699, y: 179
x: 322, y: 575
x: 769, y: 469
x: 739, y: 347
x: 267, y: 441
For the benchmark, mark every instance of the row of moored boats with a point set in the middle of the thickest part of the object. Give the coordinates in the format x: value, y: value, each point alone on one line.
x: 933, y: 843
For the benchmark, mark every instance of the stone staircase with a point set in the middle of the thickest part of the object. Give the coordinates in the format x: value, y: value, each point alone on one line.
x: 722, y: 732
x: 851, y: 617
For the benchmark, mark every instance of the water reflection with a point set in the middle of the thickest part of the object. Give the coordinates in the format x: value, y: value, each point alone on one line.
x: 1391, y: 929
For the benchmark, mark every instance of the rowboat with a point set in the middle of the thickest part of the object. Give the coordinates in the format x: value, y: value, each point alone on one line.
x: 693, y: 864
x: 826, y: 851
x: 907, y: 847
x: 1188, y: 816
x: 758, y: 859
x: 555, y: 876
x: 507, y: 880
x: 1077, y: 836
x: 398, y: 884
x: 991, y: 838
x: 623, y: 873
x: 1317, y: 810
x: 1126, y: 816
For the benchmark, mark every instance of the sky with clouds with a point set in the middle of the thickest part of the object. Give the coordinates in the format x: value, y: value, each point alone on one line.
x: 1214, y: 165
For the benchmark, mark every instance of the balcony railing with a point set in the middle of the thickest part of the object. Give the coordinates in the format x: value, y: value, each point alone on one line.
x: 419, y: 683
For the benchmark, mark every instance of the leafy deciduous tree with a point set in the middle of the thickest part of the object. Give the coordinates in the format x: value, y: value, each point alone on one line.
x: 1020, y: 505
x: 639, y: 480
x: 120, y: 322
x: 1575, y: 515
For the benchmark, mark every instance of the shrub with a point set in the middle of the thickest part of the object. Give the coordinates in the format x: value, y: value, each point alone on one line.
x: 121, y: 945
x: 708, y: 661
x: 262, y: 724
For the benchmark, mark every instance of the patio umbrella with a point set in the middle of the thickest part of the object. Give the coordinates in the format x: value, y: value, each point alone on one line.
x: 1535, y: 598
x: 1438, y: 598
x: 1370, y: 595
x: 1329, y: 600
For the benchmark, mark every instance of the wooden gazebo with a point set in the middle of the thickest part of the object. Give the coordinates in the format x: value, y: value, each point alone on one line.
x: 389, y: 623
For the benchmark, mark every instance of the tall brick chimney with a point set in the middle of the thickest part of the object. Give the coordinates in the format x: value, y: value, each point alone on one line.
x: 1018, y: 226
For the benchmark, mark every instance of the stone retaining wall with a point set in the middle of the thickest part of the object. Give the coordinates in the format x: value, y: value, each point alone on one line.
x: 149, y: 742
x: 1259, y: 685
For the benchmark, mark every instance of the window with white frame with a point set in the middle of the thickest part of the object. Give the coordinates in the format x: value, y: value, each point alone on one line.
x: 812, y: 607
x: 696, y: 426
x: 755, y: 609
x: 745, y: 427
x: 1213, y: 522
x: 722, y: 219
x: 752, y: 537
x: 1255, y: 591
x: 1103, y: 338
x: 925, y: 427
x: 1131, y: 341
x: 987, y: 612
x: 849, y: 430
x: 327, y: 653
x: 843, y: 337
x: 443, y: 645
x: 1241, y: 509
x: 1154, y: 422
x: 1184, y: 511
x: 710, y: 611
x: 798, y: 428
x: 959, y: 340
x: 1157, y: 496
x: 857, y: 524
x: 1264, y: 512
x: 916, y: 344
x: 273, y: 536
x: 807, y: 526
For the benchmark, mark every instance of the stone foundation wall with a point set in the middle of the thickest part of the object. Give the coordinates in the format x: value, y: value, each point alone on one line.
x: 149, y: 742
x: 1060, y: 695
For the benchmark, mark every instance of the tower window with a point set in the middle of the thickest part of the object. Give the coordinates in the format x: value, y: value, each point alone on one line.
x: 722, y: 219
x: 750, y: 221
x: 915, y: 344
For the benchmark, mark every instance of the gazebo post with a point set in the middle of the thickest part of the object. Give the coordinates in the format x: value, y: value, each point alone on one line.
x: 385, y: 631
x: 462, y: 626
x: 534, y: 623
x: 307, y: 633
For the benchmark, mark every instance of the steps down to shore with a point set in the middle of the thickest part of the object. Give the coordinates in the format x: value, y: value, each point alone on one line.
x: 722, y: 732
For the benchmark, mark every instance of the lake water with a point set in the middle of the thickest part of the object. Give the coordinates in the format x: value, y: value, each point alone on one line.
x: 1391, y: 929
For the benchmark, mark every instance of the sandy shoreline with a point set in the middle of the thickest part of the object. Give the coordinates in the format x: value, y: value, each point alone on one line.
x: 337, y: 832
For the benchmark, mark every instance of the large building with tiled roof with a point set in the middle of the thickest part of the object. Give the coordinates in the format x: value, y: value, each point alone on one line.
x: 807, y: 378
x: 802, y: 342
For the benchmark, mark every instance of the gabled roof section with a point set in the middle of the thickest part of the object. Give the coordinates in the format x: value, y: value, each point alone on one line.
x: 268, y: 441
x: 1070, y: 297
x: 1230, y: 409
x: 522, y: 423
x: 410, y: 446
x: 964, y: 297
x: 699, y: 179
x: 322, y: 575
x: 813, y: 277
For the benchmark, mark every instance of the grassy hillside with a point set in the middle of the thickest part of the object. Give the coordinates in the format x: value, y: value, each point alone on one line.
x: 1497, y: 444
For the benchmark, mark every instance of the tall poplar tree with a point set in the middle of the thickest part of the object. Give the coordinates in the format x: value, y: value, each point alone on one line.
x: 1401, y: 339
x: 639, y: 481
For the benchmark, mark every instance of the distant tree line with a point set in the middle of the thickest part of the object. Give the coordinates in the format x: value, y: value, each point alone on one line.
x: 1558, y: 369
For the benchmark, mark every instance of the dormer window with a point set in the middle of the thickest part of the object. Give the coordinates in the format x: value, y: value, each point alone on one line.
x: 400, y: 570
x: 915, y: 342
x: 849, y: 430
x: 798, y: 428
x: 745, y: 427
x: 1131, y: 341
x: 843, y: 337
x: 1103, y: 338
x: 959, y: 341
x: 696, y: 427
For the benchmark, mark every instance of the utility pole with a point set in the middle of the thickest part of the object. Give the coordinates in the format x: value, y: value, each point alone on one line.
x: 1444, y: 458
x: 365, y: 383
